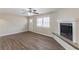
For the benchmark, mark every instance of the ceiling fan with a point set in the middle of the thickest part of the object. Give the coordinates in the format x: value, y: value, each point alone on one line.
x: 30, y: 11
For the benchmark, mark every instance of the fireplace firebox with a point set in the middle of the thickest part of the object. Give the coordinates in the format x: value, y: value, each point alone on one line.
x: 66, y: 30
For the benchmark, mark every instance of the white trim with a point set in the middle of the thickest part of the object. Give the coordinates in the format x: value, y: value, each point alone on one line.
x: 12, y: 33
x: 74, y: 32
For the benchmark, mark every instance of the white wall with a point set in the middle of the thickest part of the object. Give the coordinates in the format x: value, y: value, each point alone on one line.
x: 10, y: 24
x: 69, y: 12
x: 30, y: 24
x: 41, y: 30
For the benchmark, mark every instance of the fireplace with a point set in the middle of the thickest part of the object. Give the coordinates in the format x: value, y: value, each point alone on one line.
x: 66, y: 30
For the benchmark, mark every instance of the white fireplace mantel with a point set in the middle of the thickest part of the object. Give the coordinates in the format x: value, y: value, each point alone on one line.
x: 75, y: 23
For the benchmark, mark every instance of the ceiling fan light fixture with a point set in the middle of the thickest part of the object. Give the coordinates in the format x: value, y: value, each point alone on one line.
x: 30, y: 14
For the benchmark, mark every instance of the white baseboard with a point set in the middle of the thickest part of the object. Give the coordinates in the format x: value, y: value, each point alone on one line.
x: 42, y: 34
x: 12, y: 33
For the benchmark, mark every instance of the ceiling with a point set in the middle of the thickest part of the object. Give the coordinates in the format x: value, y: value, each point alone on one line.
x: 19, y: 11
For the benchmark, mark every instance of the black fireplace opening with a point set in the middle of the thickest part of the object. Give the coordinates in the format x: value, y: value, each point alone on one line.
x: 66, y: 30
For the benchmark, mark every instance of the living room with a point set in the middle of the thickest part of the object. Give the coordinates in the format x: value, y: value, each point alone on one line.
x: 61, y: 24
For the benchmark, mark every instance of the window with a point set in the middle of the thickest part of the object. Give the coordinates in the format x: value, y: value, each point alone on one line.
x: 46, y: 22
x: 43, y: 22
x: 39, y: 22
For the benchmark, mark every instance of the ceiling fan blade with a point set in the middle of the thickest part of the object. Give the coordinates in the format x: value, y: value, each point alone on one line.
x: 35, y: 12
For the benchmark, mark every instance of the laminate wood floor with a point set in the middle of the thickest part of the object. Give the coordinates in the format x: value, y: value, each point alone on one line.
x: 28, y: 41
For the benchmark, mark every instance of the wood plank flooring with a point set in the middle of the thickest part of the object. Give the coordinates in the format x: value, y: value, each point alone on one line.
x: 28, y: 41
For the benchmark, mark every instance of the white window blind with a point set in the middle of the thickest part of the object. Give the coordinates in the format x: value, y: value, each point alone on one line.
x: 43, y: 22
